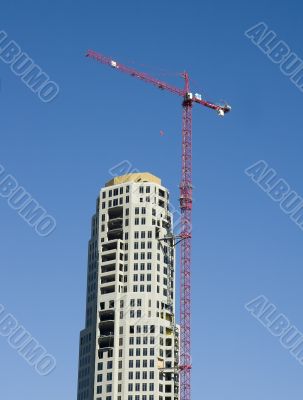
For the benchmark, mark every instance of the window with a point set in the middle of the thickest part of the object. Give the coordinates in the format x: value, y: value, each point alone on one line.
x: 103, y: 195
x: 136, y: 221
x: 143, y: 220
x: 136, y: 267
x: 110, y: 193
x: 147, y: 189
x: 127, y: 199
x: 116, y: 192
x: 136, y: 235
x: 141, y: 189
x: 127, y: 211
x: 143, y: 210
x: 108, y: 388
x: 137, y: 210
x: 143, y: 235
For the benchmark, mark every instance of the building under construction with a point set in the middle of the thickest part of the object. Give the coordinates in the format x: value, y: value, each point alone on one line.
x: 129, y: 349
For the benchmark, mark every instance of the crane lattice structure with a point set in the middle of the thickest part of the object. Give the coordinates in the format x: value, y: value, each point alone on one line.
x: 186, y: 188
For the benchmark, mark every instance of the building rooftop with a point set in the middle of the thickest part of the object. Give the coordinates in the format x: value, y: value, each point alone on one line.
x: 136, y: 177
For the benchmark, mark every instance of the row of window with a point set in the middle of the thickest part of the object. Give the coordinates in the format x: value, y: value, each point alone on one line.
x: 137, y: 352
x: 109, y: 365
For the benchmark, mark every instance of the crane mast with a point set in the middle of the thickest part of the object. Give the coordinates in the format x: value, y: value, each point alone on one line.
x: 186, y: 189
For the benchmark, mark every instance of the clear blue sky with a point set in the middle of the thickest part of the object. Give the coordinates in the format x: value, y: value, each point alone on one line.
x: 243, y: 245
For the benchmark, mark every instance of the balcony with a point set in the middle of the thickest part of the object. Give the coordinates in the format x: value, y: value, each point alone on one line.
x: 108, y: 268
x: 115, y: 234
x: 116, y: 223
x: 106, y: 316
x: 106, y: 342
x: 108, y: 289
x: 115, y: 212
x: 112, y: 245
x: 107, y: 328
x: 108, y: 279
x: 108, y: 256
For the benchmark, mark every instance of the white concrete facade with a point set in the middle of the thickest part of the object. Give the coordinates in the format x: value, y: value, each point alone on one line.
x: 129, y: 347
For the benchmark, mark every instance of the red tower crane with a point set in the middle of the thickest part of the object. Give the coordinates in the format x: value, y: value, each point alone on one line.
x: 188, y: 99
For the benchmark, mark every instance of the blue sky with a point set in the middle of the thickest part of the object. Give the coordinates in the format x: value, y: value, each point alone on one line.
x: 61, y: 152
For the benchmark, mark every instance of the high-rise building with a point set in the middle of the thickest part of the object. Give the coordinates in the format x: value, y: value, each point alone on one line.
x: 129, y: 347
